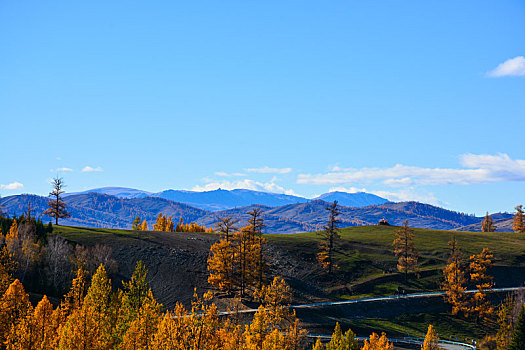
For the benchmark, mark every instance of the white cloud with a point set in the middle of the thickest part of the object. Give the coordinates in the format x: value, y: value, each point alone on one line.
x: 347, y: 189
x: 512, y: 67
x: 408, y: 195
x: 91, y: 169
x: 12, y: 186
x: 62, y: 169
x: 476, y: 169
x: 268, y: 170
x: 222, y: 173
x: 244, y: 184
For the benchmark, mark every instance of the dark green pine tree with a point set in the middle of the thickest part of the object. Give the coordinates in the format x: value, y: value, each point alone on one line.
x: 518, y: 337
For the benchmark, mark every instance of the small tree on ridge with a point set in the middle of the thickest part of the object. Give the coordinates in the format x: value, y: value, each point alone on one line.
x: 57, y: 207
x: 329, y: 239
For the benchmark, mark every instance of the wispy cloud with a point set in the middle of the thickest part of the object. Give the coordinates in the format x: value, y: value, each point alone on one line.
x: 268, y: 170
x: 61, y: 169
x: 347, y: 189
x: 512, y: 67
x: 87, y: 169
x: 476, y: 169
x: 247, y: 184
x: 408, y: 195
x: 12, y: 186
x: 222, y: 173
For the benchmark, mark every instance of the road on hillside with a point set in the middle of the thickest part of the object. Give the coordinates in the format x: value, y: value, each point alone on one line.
x: 447, y: 345
x: 366, y: 300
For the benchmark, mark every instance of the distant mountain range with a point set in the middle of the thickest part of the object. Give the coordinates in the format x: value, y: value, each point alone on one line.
x: 118, y: 209
x: 223, y: 199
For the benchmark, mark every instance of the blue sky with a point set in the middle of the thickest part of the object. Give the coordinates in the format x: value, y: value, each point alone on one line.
x: 412, y: 100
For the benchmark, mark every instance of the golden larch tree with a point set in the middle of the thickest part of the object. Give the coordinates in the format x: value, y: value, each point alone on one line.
x: 160, y: 224
x: 341, y: 341
x: 89, y: 327
x: 274, y: 326
x: 246, y: 248
x: 135, y: 226
x: 131, y: 299
x: 7, y: 268
x: 221, y: 265
x: 318, y: 345
x: 479, y: 265
x: 329, y: 238
x: 506, y: 322
x: 139, y: 335
x: 144, y: 226
x: 74, y: 298
x: 170, y: 226
x: 487, y: 225
x: 518, y: 222
x: 375, y: 342
x: 455, y: 279
x: 171, y: 331
x: 14, y: 307
x: 405, y: 250
x: 13, y: 230
x: 431, y: 339
x: 255, y: 227
x: 35, y: 331
x: 204, y: 323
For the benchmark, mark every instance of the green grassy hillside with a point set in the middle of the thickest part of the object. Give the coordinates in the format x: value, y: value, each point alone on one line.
x: 177, y: 264
x: 364, y: 254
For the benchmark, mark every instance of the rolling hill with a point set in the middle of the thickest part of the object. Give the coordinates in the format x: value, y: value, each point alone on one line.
x: 121, y: 192
x: 220, y: 199
x: 177, y: 264
x: 359, y: 199
x: 502, y: 221
x: 102, y: 210
x: 223, y: 199
x: 107, y: 211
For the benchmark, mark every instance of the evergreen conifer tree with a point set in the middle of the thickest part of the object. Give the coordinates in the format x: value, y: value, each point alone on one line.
x: 518, y: 337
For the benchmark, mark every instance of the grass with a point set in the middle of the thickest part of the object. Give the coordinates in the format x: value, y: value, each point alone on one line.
x: 367, y: 269
x: 364, y: 254
x: 91, y: 236
x: 432, y: 244
x: 447, y: 326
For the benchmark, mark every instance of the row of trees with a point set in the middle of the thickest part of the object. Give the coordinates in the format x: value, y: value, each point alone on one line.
x: 165, y: 223
x: 91, y: 316
x: 460, y: 273
x: 45, y: 263
x: 237, y: 263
